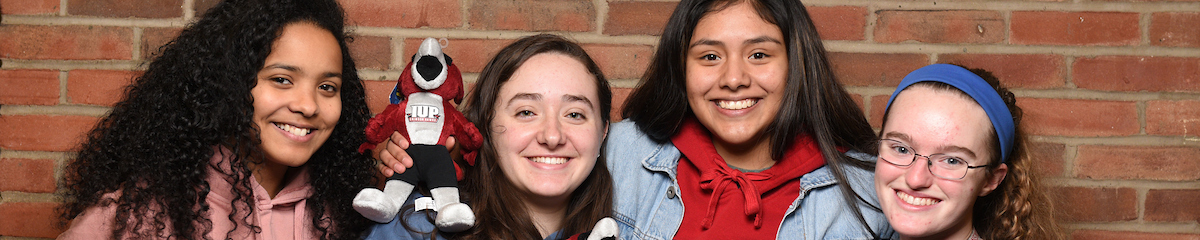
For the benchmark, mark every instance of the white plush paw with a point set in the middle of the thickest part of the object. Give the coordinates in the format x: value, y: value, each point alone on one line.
x: 373, y: 204
x: 605, y: 228
x: 455, y: 217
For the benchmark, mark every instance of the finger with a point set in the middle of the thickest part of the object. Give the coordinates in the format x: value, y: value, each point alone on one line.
x: 399, y: 140
x: 449, y: 143
x: 400, y: 158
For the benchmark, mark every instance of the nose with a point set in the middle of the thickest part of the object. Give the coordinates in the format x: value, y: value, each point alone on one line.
x: 551, y: 134
x: 305, y: 103
x: 735, y: 75
x: 918, y: 175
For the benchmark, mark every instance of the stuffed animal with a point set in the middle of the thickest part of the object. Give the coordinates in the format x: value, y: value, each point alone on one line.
x: 426, y: 117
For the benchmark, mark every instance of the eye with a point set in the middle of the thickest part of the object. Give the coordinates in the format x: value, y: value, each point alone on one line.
x: 901, y: 149
x: 710, y: 57
x: 576, y: 115
x: 328, y: 88
x: 524, y: 113
x: 954, y: 161
x: 759, y: 55
x: 281, y: 80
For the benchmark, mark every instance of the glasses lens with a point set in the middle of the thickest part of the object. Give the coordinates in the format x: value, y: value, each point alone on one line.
x: 948, y: 167
x: 895, y: 152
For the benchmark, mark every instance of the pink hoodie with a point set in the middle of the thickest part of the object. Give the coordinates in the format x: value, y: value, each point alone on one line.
x: 284, y: 217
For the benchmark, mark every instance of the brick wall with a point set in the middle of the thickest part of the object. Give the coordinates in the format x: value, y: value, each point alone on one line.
x: 1111, y: 88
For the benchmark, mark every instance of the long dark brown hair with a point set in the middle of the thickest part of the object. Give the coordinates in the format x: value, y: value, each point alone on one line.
x: 499, y: 209
x: 814, y: 102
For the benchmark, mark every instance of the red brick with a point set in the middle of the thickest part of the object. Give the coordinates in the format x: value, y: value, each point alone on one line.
x: 939, y: 26
x: 202, y: 6
x: 632, y: 18
x: 1138, y: 162
x: 29, y: 7
x: 1047, y: 158
x: 154, y: 38
x: 1096, y: 204
x: 1175, y: 29
x: 28, y: 219
x: 1081, y: 118
x: 471, y: 55
x: 1134, y: 73
x: 29, y: 87
x: 620, y: 61
x: 1035, y: 71
x: 65, y: 42
x: 27, y: 175
x: 371, y: 52
x: 1173, y: 118
x: 840, y: 22
x: 1173, y: 205
x: 618, y: 102
x: 878, y: 107
x: 98, y: 87
x: 378, y: 93
x: 127, y: 8
x: 1112, y: 235
x: 533, y: 15
x: 43, y: 133
x: 403, y: 13
x: 875, y: 69
x: 1075, y: 28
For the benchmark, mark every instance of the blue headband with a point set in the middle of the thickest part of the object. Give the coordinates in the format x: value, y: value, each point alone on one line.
x: 975, y: 87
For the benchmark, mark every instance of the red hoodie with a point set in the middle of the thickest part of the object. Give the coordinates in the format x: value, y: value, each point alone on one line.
x: 746, y: 205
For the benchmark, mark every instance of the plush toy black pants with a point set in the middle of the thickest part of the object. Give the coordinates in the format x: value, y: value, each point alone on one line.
x: 431, y: 164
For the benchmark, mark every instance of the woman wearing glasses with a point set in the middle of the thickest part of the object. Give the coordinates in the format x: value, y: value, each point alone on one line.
x: 952, y: 160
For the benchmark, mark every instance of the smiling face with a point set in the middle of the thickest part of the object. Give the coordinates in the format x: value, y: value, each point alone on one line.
x: 736, y: 69
x: 547, y: 129
x: 918, y: 204
x: 297, y: 100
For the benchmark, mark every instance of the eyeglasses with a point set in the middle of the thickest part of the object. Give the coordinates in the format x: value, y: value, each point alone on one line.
x: 941, y: 165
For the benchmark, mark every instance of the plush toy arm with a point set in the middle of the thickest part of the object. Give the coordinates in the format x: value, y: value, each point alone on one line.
x: 465, y: 133
x: 381, y: 126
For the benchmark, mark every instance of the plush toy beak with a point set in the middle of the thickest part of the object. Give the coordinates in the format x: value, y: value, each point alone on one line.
x: 429, y: 67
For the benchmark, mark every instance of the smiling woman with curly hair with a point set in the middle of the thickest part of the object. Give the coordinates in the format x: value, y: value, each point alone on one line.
x: 245, y: 126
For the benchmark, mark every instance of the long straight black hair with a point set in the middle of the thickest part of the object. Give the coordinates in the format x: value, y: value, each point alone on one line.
x: 814, y: 102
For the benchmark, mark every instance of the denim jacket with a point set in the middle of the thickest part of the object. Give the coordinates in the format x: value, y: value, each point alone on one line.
x: 646, y: 204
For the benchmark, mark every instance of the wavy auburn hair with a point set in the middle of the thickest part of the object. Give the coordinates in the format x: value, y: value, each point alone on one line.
x: 1019, y: 208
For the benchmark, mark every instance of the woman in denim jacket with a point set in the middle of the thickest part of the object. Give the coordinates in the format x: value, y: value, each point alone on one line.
x: 738, y: 130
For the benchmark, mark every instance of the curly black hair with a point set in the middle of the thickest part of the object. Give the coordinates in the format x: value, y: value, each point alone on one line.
x: 156, y: 144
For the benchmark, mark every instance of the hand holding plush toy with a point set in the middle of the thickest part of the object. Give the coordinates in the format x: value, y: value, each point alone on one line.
x: 426, y: 117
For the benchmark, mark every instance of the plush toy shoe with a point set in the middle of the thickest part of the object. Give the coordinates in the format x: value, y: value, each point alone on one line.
x: 382, y: 206
x: 371, y: 203
x: 455, y: 217
x: 605, y: 229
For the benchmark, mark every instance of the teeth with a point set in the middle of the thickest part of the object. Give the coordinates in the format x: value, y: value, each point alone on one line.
x: 549, y: 160
x: 298, y: 131
x: 737, y: 105
x: 918, y: 201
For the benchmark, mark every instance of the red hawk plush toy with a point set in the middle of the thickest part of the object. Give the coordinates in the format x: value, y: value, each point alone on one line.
x: 426, y: 117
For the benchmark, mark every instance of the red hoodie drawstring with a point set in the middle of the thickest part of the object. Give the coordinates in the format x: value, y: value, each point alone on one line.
x: 715, y: 180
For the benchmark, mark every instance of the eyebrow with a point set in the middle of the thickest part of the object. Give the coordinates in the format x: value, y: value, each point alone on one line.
x: 762, y: 39
x: 301, y: 72
x: 710, y: 42
x: 952, y: 148
x: 577, y: 98
x: 524, y: 96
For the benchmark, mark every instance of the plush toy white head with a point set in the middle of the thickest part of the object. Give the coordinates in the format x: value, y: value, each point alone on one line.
x: 429, y: 65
